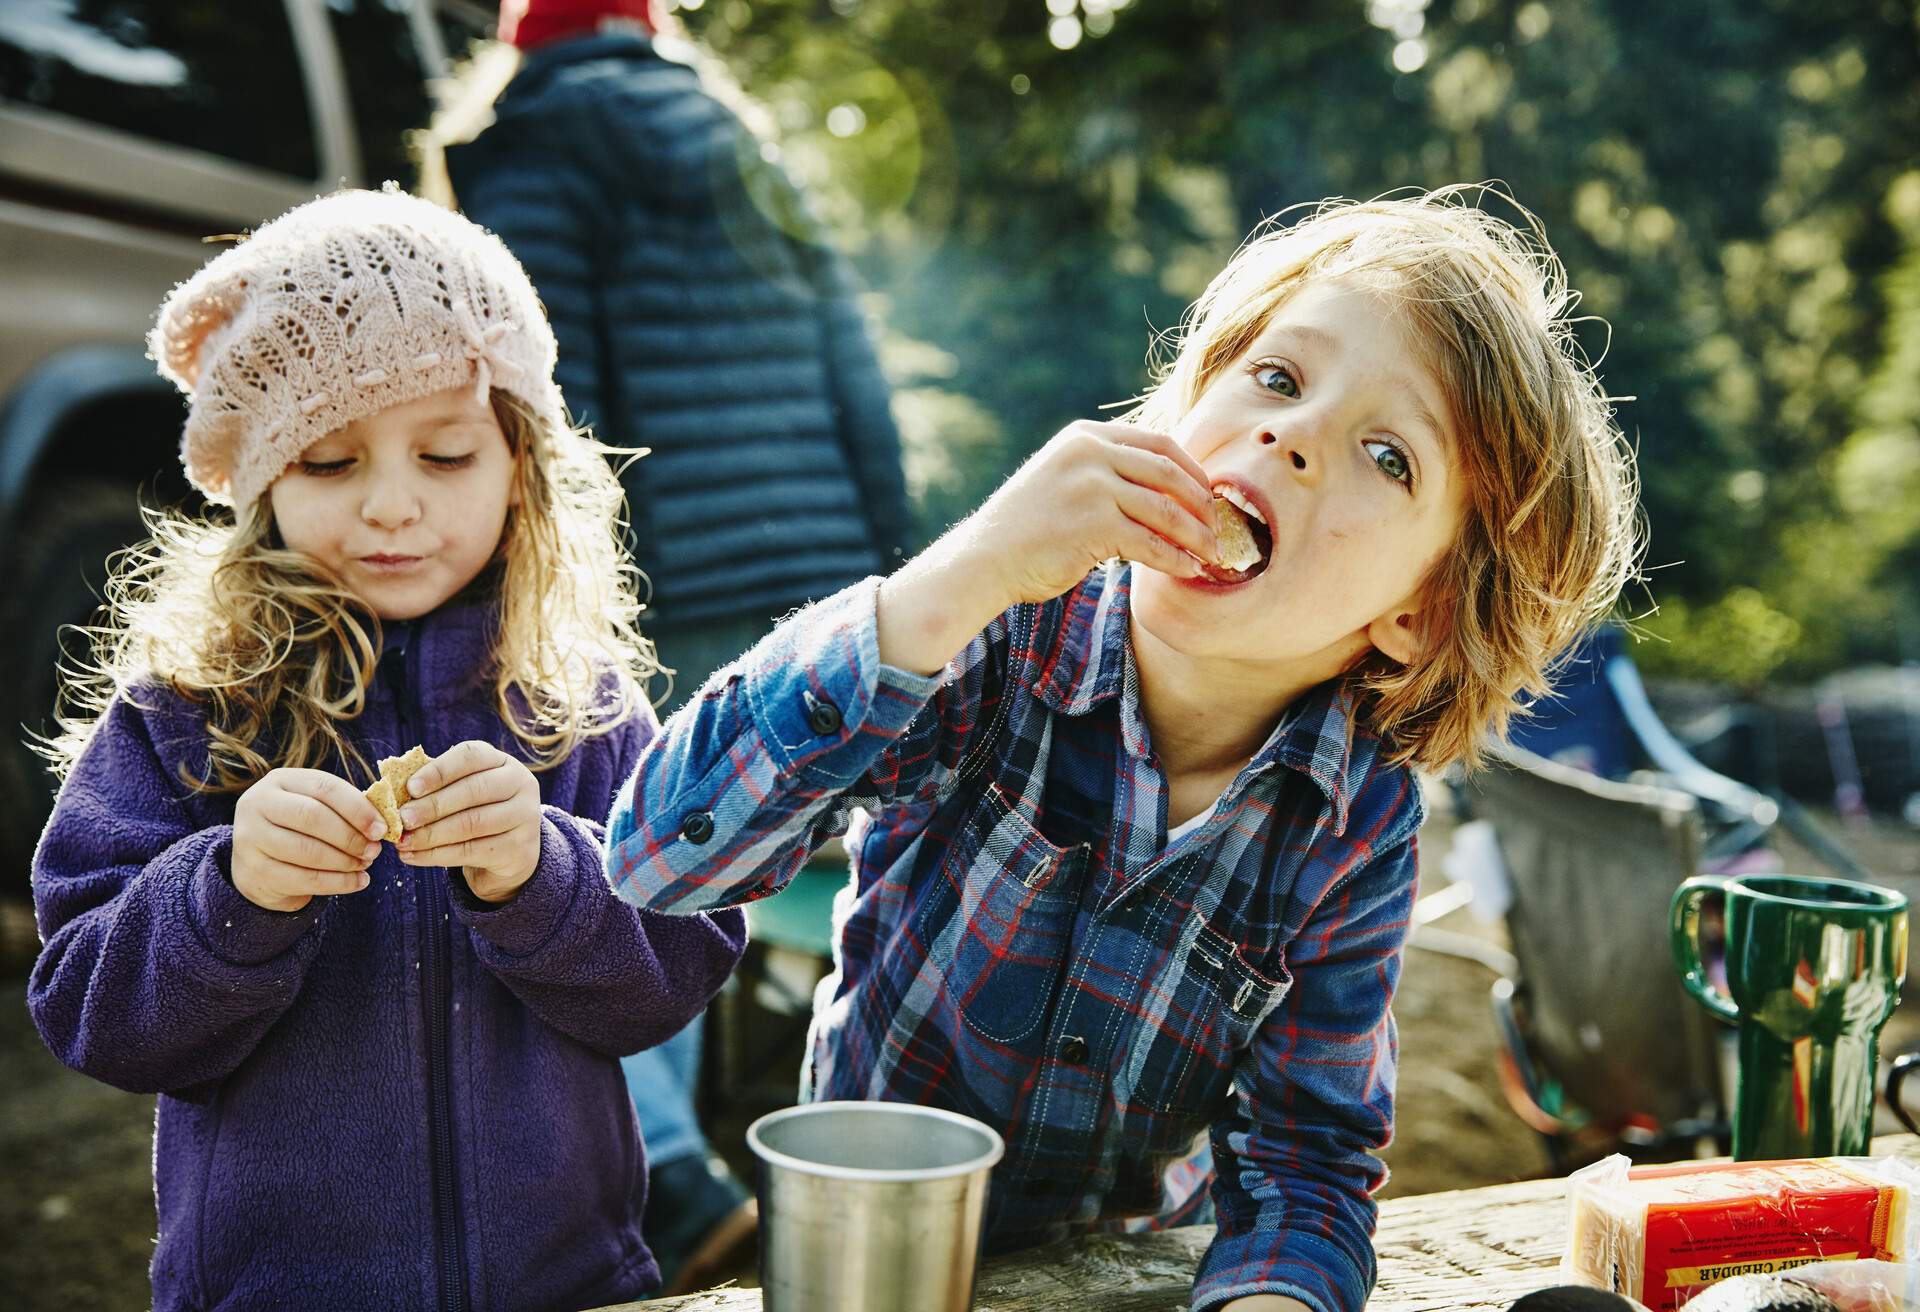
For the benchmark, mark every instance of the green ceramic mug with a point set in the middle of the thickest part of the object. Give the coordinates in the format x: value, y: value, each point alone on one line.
x: 1814, y: 968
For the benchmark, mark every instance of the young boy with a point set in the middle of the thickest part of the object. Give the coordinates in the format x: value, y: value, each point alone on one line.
x: 1135, y: 878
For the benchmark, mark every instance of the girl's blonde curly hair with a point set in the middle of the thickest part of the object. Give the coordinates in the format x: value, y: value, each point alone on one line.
x: 1552, y: 530
x: 282, y: 653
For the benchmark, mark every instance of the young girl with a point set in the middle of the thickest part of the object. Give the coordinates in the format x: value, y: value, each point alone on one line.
x: 389, y: 1078
x: 1140, y: 840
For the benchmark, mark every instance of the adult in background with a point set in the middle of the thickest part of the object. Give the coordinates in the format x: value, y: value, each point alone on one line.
x: 692, y: 324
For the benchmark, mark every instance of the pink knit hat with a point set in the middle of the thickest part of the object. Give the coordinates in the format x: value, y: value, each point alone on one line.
x: 332, y: 312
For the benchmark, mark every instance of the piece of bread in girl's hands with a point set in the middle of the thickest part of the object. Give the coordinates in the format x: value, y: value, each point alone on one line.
x: 389, y: 793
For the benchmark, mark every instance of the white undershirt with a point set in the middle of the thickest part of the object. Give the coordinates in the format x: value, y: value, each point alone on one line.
x: 1180, y: 831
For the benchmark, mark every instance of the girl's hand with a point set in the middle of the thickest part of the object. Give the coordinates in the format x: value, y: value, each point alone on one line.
x: 475, y: 807
x: 1096, y: 490
x: 297, y: 833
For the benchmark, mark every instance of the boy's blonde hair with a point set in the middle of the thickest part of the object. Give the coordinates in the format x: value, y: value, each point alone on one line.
x: 281, y: 651
x: 1551, y: 532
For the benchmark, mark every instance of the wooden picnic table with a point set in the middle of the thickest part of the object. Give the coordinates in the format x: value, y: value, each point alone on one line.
x: 1470, y: 1250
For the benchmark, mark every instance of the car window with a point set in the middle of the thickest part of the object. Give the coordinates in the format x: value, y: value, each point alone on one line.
x: 217, y: 77
x: 386, y: 81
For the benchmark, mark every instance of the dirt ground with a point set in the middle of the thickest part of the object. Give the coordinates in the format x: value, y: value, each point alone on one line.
x: 76, y: 1215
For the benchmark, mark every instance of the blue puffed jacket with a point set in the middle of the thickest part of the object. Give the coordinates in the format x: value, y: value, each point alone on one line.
x: 697, y: 316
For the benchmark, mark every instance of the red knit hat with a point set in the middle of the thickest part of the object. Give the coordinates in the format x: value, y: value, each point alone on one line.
x: 530, y: 23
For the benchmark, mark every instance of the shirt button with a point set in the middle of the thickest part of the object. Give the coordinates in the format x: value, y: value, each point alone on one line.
x: 823, y: 717
x: 698, y: 827
x: 1074, y: 1050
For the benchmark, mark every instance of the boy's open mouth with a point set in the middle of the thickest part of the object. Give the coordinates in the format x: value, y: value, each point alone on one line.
x: 1246, y: 542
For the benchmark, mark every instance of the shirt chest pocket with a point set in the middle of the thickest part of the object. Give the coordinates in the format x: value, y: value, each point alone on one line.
x: 999, y: 923
x: 1199, y: 1021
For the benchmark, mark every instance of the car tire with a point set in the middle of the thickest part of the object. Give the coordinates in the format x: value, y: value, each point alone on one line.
x: 58, y: 578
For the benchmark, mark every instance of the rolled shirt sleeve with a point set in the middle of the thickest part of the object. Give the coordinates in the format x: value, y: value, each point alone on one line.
x: 745, y: 781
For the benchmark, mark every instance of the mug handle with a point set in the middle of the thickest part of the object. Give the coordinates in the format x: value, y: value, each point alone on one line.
x: 1901, y: 1065
x: 1685, y: 938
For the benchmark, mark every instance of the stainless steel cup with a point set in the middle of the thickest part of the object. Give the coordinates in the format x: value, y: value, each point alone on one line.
x: 870, y: 1206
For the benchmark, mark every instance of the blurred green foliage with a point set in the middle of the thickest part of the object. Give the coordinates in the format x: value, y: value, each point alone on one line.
x: 1035, y: 187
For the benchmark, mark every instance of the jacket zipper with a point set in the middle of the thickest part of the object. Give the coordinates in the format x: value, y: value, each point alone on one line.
x: 436, y: 987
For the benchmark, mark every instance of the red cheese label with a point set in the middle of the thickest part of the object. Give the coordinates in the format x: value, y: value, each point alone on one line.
x: 1756, y: 1219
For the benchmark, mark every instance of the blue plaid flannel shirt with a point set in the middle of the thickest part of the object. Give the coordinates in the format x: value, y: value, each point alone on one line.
x: 1020, y: 942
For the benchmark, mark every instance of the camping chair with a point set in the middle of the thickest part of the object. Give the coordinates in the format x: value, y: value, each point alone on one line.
x: 1602, y: 1049
x: 1599, y: 811
x: 1601, y: 720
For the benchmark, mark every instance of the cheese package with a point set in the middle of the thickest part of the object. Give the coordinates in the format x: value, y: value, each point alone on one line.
x: 1661, y: 1234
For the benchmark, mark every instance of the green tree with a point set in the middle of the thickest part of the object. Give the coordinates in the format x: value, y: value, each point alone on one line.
x: 1035, y: 187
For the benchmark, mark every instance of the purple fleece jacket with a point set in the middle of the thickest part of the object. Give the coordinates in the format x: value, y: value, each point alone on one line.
x: 401, y: 1098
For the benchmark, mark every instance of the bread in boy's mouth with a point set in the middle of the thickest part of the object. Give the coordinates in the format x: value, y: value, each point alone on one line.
x: 1238, y: 550
x: 389, y: 793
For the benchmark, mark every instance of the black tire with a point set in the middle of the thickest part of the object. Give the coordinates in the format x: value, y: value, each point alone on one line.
x: 59, y: 571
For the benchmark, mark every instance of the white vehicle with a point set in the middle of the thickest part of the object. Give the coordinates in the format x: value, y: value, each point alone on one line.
x: 131, y: 132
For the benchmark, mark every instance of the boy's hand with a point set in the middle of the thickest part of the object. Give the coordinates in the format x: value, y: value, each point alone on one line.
x: 297, y: 833
x: 1096, y: 490
x: 478, y: 808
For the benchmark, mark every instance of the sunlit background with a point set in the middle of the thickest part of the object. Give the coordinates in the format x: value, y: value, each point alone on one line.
x: 1034, y: 189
